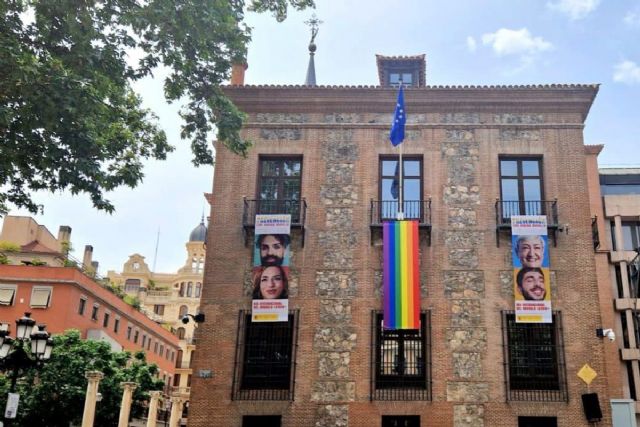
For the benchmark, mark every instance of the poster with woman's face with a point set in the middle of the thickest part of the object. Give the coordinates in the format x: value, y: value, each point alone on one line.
x: 271, y: 268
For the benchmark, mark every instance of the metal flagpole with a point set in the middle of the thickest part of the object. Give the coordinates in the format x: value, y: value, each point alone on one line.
x: 400, y: 215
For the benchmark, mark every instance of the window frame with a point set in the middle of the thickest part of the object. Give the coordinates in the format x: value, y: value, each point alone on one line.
x: 401, y: 387
x: 105, y: 318
x: 279, y: 204
x: 13, y: 288
x: 254, y: 387
x: 520, y: 178
x: 116, y: 324
x: 82, y: 305
x: 158, y: 309
x: 34, y: 289
x: 381, y: 177
x: 518, y: 387
x: 95, y: 309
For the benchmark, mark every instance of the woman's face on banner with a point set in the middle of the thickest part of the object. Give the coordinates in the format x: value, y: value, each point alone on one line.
x: 271, y: 283
x: 531, y: 251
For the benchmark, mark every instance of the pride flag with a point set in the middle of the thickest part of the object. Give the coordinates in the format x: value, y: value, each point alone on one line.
x: 401, y: 291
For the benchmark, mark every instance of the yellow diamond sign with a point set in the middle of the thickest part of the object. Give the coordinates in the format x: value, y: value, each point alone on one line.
x: 587, y: 374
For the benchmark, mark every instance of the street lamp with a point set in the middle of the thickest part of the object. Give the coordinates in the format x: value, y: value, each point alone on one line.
x: 29, y: 349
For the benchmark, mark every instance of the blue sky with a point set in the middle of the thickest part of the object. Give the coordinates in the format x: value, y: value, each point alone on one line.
x: 506, y: 42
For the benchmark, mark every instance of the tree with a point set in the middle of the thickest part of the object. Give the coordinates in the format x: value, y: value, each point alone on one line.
x: 69, y: 118
x: 54, y: 394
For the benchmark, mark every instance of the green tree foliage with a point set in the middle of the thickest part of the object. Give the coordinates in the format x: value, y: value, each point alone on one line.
x: 69, y: 118
x: 54, y: 394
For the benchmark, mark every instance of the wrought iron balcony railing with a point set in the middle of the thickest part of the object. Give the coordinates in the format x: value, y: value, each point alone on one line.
x: 505, y: 209
x: 387, y: 210
x: 296, y: 208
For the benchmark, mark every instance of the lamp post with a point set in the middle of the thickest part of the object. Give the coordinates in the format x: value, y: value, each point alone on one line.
x: 28, y: 349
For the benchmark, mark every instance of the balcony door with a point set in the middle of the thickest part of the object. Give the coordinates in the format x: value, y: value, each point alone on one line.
x: 390, y: 187
x: 521, y: 188
x: 279, y: 186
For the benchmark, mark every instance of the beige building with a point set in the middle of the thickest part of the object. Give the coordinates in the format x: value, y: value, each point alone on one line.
x: 25, y: 242
x: 168, y: 297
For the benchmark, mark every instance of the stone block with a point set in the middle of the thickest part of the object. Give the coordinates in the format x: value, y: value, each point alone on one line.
x: 460, y: 218
x: 335, y: 310
x: 281, y: 118
x: 332, y: 416
x: 461, y: 170
x: 342, y: 118
x: 467, y: 340
x: 334, y: 338
x: 467, y: 258
x: 457, y: 149
x: 334, y: 364
x: 281, y: 134
x: 468, y: 416
x: 333, y: 391
x: 339, y: 218
x: 467, y: 365
x: 521, y: 119
x: 459, y: 135
x: 467, y: 392
x: 339, y: 195
x: 463, y: 284
x: 340, y: 173
x: 465, y: 312
x: 461, y: 195
x: 506, y: 283
x: 519, y: 135
x: 463, y: 238
x: 460, y: 118
x: 335, y: 284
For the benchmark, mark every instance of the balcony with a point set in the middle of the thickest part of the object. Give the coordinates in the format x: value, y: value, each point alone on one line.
x: 296, y: 208
x: 507, y: 208
x: 386, y: 210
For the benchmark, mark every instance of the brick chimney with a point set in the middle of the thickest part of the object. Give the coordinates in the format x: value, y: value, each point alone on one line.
x: 237, y: 74
x: 64, y: 235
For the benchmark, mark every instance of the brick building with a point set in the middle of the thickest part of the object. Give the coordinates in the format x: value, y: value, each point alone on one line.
x: 472, y: 157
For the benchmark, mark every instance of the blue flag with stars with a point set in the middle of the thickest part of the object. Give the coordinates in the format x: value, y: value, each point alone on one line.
x: 399, y: 119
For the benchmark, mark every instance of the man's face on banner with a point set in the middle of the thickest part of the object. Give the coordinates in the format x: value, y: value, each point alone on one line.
x: 532, y: 286
x: 271, y: 250
x: 531, y: 251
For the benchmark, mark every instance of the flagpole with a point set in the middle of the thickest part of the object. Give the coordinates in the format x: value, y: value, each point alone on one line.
x: 400, y: 215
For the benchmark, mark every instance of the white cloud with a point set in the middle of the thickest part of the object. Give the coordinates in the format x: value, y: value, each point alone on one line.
x: 626, y: 72
x: 471, y: 44
x: 575, y: 9
x: 515, y: 42
x: 632, y: 19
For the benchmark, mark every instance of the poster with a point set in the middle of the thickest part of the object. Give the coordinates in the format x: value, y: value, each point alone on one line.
x: 271, y: 268
x: 531, y: 281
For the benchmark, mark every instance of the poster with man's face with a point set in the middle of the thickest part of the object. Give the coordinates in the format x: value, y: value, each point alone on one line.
x: 271, y: 268
x: 531, y: 284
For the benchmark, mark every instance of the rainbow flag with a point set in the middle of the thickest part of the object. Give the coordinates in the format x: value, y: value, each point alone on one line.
x: 401, y: 290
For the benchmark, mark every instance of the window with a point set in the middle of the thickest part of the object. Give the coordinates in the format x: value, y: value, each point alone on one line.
x: 149, y: 344
x: 161, y: 350
x: 521, y: 186
x: 94, y: 312
x: 136, y: 334
x: 181, y: 291
x: 402, y: 361
x: 198, y: 290
x: 279, y: 186
x: 261, y: 421
x: 129, y: 329
x: 158, y: 309
x: 132, y: 285
x: 534, y: 356
x: 265, y: 355
x: 189, y: 289
x: 82, y: 305
x: 176, y: 380
x: 408, y: 78
x: 155, y: 347
x: 181, y: 332
x: 7, y: 294
x: 105, y: 320
x: 144, y: 340
x: 183, y: 311
x: 400, y: 421
x: 40, y: 297
x: 116, y: 325
x: 390, y: 187
x: 630, y: 236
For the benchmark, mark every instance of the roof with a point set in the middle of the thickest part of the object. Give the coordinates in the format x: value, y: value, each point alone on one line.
x: 395, y: 61
x: 199, y: 234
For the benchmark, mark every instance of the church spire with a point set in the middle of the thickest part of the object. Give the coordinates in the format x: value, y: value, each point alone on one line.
x: 314, y: 22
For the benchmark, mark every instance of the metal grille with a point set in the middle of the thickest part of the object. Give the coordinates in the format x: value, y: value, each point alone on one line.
x: 534, y: 359
x: 506, y: 208
x: 265, y: 355
x: 401, y: 361
x: 385, y: 210
x: 296, y: 208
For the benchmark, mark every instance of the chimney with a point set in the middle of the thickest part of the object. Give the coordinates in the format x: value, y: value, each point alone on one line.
x: 64, y: 233
x: 86, y: 259
x: 94, y: 266
x: 237, y: 74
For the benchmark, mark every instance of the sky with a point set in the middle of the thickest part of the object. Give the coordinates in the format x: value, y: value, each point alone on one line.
x: 466, y: 42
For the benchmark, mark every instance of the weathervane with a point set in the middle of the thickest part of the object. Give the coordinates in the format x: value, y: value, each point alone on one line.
x: 314, y: 23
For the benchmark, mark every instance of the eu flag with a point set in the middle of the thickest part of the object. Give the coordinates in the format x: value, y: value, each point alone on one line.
x: 399, y: 119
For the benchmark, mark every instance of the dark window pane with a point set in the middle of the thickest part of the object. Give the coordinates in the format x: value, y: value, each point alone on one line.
x: 271, y: 168
x: 269, y: 189
x: 291, y: 189
x: 411, y: 168
x: 509, y: 167
x: 291, y: 168
x: 530, y: 168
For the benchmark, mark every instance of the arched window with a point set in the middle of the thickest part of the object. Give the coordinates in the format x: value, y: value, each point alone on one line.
x: 181, y: 332
x: 183, y: 311
x: 190, y: 289
x: 181, y: 292
x: 198, y: 289
x: 131, y: 285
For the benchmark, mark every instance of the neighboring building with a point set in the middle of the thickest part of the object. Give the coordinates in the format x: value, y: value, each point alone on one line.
x: 616, y: 219
x: 473, y: 156
x: 35, y: 242
x: 167, y: 298
x: 65, y: 298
